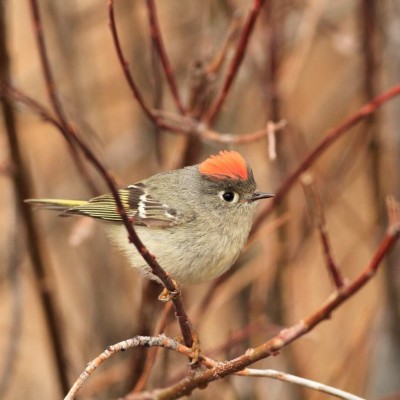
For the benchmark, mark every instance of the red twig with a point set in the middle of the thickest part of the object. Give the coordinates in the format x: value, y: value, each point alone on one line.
x: 218, y: 370
x: 330, y: 137
x: 177, y: 124
x: 33, y: 105
x: 286, y: 336
x: 180, y: 312
x: 125, y: 65
x: 157, y: 40
x: 48, y: 75
x: 135, y: 240
x: 318, y: 217
x: 137, y: 341
x: 52, y: 93
x: 185, y: 125
x: 22, y: 187
x: 157, y: 270
x: 333, y: 269
x: 152, y: 353
x: 236, y: 62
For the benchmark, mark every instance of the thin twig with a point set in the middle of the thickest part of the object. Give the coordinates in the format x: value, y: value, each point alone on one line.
x: 174, y: 123
x: 296, y: 380
x: 214, y: 67
x: 303, y: 39
x: 137, y: 341
x: 330, y: 137
x: 158, y: 41
x: 236, y: 61
x: 53, y: 94
x: 183, y: 319
x: 10, y: 355
x: 22, y: 187
x: 318, y: 218
x: 152, y: 353
x: 211, y: 296
x: 32, y: 104
x: 186, y: 125
x: 246, y: 138
x: 286, y: 336
x: 125, y: 65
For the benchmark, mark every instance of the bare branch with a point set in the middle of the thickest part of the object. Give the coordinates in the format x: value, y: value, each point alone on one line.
x: 22, y: 188
x: 109, y: 179
x: 157, y: 39
x: 331, y: 136
x: 53, y: 94
x: 137, y: 341
x: 320, y: 387
x: 236, y: 62
x: 152, y: 353
x: 185, y: 125
x: 318, y: 217
x: 133, y: 238
x: 233, y: 31
x: 125, y: 65
x: 14, y: 258
x: 286, y: 336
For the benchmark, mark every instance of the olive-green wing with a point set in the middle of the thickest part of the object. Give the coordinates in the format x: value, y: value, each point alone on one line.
x: 144, y: 209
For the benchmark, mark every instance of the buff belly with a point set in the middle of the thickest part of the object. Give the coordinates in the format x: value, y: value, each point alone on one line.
x: 183, y: 256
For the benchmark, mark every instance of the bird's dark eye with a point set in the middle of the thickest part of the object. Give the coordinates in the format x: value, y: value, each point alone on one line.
x: 229, y: 196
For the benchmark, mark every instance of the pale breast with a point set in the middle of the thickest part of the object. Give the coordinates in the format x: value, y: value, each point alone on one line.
x: 188, y: 256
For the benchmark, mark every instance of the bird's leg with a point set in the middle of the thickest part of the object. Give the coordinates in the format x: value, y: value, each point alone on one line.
x: 166, y: 295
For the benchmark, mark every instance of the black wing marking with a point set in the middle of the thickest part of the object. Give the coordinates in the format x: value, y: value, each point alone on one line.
x: 143, y: 208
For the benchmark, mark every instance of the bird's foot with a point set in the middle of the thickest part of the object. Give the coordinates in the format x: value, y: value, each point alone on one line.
x: 166, y: 295
x: 195, y: 349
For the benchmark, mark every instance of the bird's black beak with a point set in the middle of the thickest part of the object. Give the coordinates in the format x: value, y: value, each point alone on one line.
x: 259, y: 195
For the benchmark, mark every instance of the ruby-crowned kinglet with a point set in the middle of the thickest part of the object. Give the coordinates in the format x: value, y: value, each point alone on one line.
x: 195, y: 220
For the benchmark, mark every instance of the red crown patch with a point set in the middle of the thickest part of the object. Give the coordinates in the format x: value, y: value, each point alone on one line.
x: 227, y: 164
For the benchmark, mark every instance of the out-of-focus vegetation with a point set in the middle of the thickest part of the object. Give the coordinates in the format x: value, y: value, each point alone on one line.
x: 311, y: 63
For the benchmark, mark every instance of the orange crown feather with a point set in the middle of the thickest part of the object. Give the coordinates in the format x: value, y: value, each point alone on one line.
x: 227, y: 164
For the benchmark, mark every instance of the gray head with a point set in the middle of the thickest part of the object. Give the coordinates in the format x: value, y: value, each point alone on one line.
x: 228, y: 181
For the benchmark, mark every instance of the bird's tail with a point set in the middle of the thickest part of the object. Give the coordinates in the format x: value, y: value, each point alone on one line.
x: 56, y: 204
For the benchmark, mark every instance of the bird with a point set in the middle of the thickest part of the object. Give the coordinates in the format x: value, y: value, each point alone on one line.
x: 194, y: 220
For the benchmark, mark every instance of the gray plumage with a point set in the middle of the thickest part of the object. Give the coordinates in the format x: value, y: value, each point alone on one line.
x: 195, y: 224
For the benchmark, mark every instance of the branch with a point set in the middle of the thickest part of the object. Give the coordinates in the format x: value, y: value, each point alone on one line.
x: 13, y: 261
x: 286, y: 336
x: 215, y: 66
x: 137, y: 341
x: 270, y: 373
x: 22, y: 188
x: 183, y: 319
x: 236, y: 62
x: 159, y: 44
x: 180, y: 312
x: 152, y: 353
x: 33, y: 105
x: 184, y: 125
x: 318, y: 218
x: 331, y: 136
x: 125, y: 65
x: 109, y: 179
x: 53, y: 93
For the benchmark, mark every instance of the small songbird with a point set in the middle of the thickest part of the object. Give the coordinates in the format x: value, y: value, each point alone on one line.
x: 195, y: 220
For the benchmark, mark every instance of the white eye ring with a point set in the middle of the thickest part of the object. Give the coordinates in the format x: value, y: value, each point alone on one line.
x: 228, y: 196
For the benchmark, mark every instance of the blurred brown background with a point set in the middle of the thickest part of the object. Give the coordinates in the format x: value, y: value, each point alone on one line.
x: 309, y: 62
